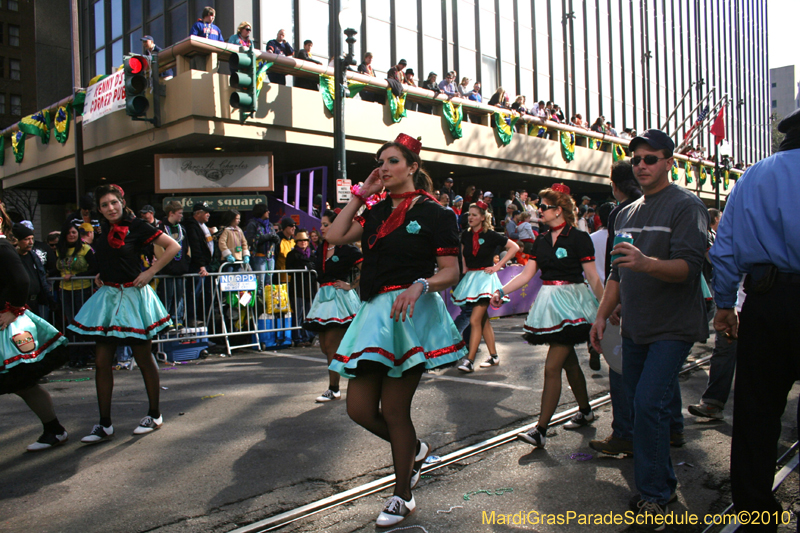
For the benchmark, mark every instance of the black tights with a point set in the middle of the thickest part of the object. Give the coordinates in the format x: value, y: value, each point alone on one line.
x: 382, y: 405
x: 104, y: 377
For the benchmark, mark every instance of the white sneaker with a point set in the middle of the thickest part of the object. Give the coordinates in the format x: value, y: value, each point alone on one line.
x: 395, y: 511
x: 47, y: 441
x: 98, y: 434
x: 148, y: 425
x: 328, y: 396
x: 579, y: 420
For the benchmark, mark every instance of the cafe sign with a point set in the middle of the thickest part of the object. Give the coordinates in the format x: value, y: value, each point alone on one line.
x: 219, y: 203
x: 224, y: 172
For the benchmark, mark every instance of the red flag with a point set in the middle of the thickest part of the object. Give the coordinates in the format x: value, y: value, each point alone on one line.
x: 718, y: 128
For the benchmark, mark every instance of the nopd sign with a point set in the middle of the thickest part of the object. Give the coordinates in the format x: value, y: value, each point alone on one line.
x: 237, y: 282
x: 183, y: 173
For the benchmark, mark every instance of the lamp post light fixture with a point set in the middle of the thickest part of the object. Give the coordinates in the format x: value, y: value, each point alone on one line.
x: 349, y: 17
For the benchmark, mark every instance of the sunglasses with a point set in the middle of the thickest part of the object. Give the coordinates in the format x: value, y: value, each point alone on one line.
x: 545, y: 207
x: 301, y: 240
x: 248, y: 28
x: 648, y: 160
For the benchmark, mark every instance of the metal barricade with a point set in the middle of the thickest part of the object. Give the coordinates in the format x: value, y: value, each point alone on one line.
x: 237, y: 306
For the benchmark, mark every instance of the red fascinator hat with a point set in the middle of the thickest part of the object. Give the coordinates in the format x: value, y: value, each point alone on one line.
x: 409, y: 142
x: 560, y: 187
x: 121, y: 192
x: 482, y: 205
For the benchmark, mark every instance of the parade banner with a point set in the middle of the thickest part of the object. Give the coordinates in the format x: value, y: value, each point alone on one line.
x: 104, y: 97
x: 186, y: 173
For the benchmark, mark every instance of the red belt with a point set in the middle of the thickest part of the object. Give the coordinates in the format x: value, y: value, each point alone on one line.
x: 557, y: 282
x: 119, y: 285
x: 390, y: 288
x: 328, y: 284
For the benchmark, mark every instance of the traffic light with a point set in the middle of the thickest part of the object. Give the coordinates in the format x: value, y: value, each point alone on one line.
x: 243, y: 77
x: 136, y: 103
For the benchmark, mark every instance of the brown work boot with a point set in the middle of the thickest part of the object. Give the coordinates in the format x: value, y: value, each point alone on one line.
x: 611, y: 445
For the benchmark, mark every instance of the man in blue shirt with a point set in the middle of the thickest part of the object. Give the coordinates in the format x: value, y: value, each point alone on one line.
x: 279, y: 46
x: 759, y: 236
x: 448, y: 85
x: 204, y: 27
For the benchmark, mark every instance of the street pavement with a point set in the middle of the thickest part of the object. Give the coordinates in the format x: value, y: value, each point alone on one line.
x: 243, y: 440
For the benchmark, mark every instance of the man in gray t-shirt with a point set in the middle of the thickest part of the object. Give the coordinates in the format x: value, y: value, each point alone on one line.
x: 657, y: 281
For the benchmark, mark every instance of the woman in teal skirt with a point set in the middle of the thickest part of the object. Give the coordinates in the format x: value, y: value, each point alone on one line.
x: 336, y: 304
x: 478, y: 246
x: 564, y: 309
x: 27, y: 344
x: 125, y: 310
x: 402, y: 328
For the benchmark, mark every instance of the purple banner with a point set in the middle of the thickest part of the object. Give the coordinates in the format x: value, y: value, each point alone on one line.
x: 521, y: 300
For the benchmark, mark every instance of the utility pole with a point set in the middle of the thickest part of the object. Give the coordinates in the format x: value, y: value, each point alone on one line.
x: 80, y: 186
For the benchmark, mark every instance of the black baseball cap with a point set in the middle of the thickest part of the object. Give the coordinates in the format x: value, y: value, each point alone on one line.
x: 789, y: 123
x: 148, y: 38
x: 287, y: 222
x: 147, y: 209
x: 202, y: 206
x: 656, y: 139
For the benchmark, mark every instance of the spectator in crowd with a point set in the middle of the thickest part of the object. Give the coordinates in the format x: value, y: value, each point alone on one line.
x: 314, y: 240
x: 365, y: 68
x: 659, y: 271
x: 488, y: 198
x: 580, y: 218
x: 86, y: 233
x: 279, y: 46
x: 301, y: 286
x: 589, y: 215
x: 458, y: 204
x: 305, y: 54
x: 397, y: 72
x: 286, y: 244
x: 558, y: 114
x: 232, y: 242
x: 498, y: 99
x: 475, y: 94
x: 431, y: 85
x: 519, y: 105
x: 149, y: 47
x: 261, y: 238
x: 204, y: 27
x: 539, y: 109
x: 411, y: 82
x: 610, y: 130
x: 85, y: 213
x: 512, y: 222
x: 243, y: 34
x: 526, y: 232
x: 172, y: 289
x: 463, y: 88
x: 39, y: 297
x: 74, y: 259
x: 148, y: 214
x: 201, y: 245
x: 444, y: 199
x: 448, y: 85
x: 599, y: 125
x: 469, y: 195
x: 447, y: 188
x: 626, y: 134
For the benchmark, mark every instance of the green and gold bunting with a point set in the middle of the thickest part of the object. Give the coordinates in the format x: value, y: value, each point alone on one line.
x: 397, y: 105
x: 505, y: 130
x: 703, y: 175
x: 328, y: 91
x: 594, y: 144
x: 687, y: 167
x: 261, y: 75
x: 37, y: 124
x: 78, y: 102
x: 675, y: 175
x: 61, y: 123
x: 2, y: 150
x: 567, y: 146
x: 453, y: 115
x: 96, y: 79
x: 537, y: 130
x: 726, y: 180
x: 617, y: 152
x: 713, y: 174
x: 355, y: 87
x: 18, y: 144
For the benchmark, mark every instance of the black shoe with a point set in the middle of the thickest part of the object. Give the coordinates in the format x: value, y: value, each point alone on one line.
x: 652, y: 515
x: 594, y: 359
x: 419, y: 460
x: 676, y: 440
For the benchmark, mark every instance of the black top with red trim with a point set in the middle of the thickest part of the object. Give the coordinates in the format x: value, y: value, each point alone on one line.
x: 564, y: 261
x: 409, y: 252
x: 339, y: 265
x: 14, y: 280
x: 118, y: 249
x: 486, y: 249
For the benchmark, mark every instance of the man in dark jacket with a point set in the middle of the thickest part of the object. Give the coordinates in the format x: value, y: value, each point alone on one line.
x: 201, y: 248
x: 261, y: 239
x: 172, y: 290
x: 39, y: 298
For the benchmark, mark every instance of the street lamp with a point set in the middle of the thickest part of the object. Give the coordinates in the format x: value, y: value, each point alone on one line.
x: 349, y: 18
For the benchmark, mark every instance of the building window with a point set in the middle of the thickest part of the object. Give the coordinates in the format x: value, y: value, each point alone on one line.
x: 14, y: 69
x: 13, y: 5
x: 2, y: 104
x: 2, y: 67
x: 13, y: 35
x: 16, y: 104
x: 1, y: 33
x: 774, y: 84
x: 774, y: 104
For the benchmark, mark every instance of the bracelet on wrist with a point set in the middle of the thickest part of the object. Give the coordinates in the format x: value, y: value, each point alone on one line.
x: 356, y: 191
x: 501, y: 291
x: 425, y: 285
x: 16, y: 311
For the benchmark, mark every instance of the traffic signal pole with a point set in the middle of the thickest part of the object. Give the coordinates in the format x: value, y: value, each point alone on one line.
x: 243, y: 77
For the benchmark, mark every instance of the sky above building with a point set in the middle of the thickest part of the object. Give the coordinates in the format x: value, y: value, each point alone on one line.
x: 782, y: 17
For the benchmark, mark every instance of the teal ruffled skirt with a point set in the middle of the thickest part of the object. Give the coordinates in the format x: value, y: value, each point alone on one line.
x: 27, y: 352
x: 331, y: 308
x: 118, y: 313
x: 430, y: 338
x: 476, y: 285
x: 561, y: 314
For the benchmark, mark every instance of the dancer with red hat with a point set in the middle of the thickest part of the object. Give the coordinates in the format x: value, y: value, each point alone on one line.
x: 480, y: 281
x: 564, y: 310
x: 410, y: 245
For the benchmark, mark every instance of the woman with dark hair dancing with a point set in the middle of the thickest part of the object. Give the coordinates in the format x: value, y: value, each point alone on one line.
x: 563, y: 311
x: 402, y: 328
x: 125, y: 310
x: 26, y: 344
x: 336, y: 303
x: 480, y: 281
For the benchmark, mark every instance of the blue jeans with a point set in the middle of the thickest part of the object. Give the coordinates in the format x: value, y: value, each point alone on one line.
x: 262, y: 263
x: 650, y: 376
x: 171, y: 291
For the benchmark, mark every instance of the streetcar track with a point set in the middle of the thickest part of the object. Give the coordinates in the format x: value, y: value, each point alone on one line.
x: 304, y: 511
